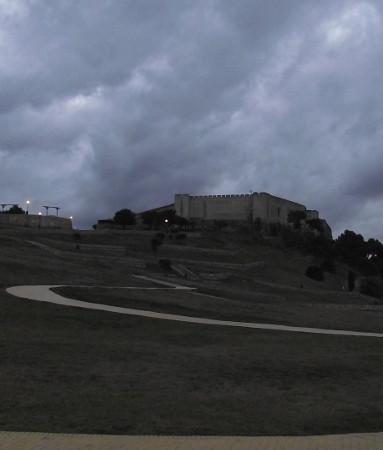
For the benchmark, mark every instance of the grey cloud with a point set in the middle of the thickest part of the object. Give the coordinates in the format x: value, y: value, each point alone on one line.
x: 107, y: 104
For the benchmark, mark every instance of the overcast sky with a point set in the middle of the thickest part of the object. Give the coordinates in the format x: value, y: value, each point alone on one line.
x: 106, y: 104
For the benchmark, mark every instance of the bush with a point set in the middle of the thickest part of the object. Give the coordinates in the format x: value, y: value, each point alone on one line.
x: 15, y: 209
x: 372, y: 286
x: 165, y: 264
x: 160, y: 235
x: 181, y: 236
x: 295, y: 217
x: 315, y: 224
x: 351, y: 278
x: 155, y: 243
x: 328, y: 265
x: 315, y: 273
x: 275, y: 229
x: 124, y: 217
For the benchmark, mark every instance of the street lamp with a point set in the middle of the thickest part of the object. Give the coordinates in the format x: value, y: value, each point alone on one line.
x: 27, y: 202
x: 71, y: 217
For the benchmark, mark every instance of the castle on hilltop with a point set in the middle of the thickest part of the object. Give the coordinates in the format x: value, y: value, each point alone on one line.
x: 242, y: 207
x: 253, y: 207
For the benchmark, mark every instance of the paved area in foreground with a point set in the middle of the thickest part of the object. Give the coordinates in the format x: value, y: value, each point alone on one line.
x: 43, y: 293
x: 49, y: 441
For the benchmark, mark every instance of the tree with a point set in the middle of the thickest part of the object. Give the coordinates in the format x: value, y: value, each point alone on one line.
x: 351, y: 277
x: 150, y: 218
x: 156, y: 219
x: 15, y: 210
x: 315, y: 224
x: 351, y: 248
x: 124, y: 217
x: 77, y: 240
x: 315, y: 273
x: 295, y: 217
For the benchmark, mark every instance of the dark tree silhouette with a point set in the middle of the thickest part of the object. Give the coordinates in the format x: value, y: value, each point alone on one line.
x: 295, y: 217
x: 15, y: 209
x: 124, y: 217
x: 77, y: 240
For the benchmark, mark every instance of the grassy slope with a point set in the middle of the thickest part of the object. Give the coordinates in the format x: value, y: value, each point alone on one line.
x: 242, y: 306
x: 73, y: 370
x: 82, y: 371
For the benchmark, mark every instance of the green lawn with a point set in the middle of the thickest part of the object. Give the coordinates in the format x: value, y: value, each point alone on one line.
x: 350, y: 312
x: 71, y: 370
x: 74, y: 370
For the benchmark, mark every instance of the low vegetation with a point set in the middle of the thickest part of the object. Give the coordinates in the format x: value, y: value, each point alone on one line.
x: 75, y: 370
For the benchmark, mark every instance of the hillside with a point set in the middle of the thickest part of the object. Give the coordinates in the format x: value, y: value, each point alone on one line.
x: 68, y: 369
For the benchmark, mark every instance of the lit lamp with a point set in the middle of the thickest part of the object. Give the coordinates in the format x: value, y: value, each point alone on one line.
x: 27, y: 202
x: 71, y: 217
x: 166, y: 221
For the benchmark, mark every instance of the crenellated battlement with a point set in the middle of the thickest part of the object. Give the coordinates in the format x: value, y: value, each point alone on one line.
x: 220, y: 196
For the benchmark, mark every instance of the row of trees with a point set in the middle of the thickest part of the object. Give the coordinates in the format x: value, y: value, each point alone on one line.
x: 365, y: 256
x: 15, y: 209
x: 153, y: 219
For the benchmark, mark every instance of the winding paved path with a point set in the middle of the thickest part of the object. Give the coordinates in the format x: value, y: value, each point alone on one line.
x: 58, y: 441
x: 43, y: 293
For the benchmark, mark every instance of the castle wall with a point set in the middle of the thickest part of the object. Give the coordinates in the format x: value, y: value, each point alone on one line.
x: 35, y: 221
x: 214, y: 207
x: 273, y: 209
x: 241, y: 207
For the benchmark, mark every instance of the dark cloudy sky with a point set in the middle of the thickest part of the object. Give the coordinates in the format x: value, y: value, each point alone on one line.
x: 107, y: 104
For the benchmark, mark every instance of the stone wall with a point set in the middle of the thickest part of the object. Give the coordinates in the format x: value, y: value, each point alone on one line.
x: 242, y: 207
x: 214, y: 207
x: 35, y: 221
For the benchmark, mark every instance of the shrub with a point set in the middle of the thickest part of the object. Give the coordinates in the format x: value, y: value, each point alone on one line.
x: 275, y: 229
x: 295, y: 217
x: 219, y: 224
x: 315, y: 273
x: 351, y: 277
x: 155, y: 243
x: 328, y: 265
x: 258, y: 225
x: 315, y: 224
x: 165, y: 264
x: 372, y: 286
x: 15, y: 209
x: 124, y: 217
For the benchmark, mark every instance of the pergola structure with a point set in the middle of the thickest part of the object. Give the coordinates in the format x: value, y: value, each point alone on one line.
x: 47, y: 208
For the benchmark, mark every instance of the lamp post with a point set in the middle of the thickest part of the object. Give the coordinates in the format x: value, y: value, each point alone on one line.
x: 27, y: 202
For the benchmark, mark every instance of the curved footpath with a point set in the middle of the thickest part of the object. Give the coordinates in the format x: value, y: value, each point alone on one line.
x: 62, y: 441
x: 43, y: 293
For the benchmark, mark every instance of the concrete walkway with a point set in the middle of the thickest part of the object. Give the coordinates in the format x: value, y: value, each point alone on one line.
x: 43, y: 293
x: 50, y: 441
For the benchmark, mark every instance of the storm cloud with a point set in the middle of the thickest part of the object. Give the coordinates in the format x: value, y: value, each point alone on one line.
x: 106, y: 104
